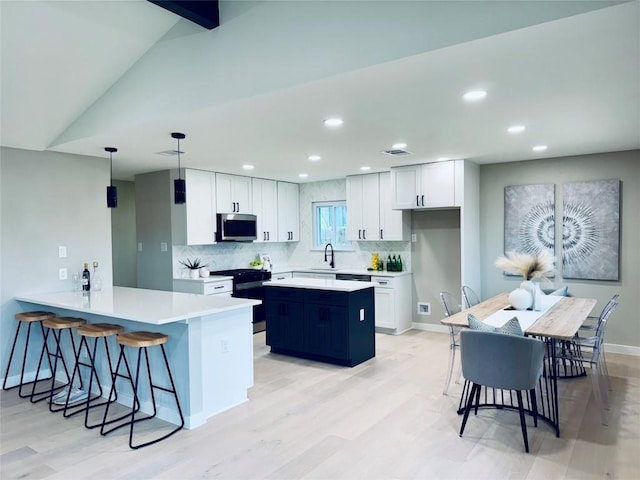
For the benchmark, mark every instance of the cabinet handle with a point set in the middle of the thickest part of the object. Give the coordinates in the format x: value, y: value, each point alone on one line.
x: 359, y: 234
x: 417, y: 200
x: 364, y: 234
x: 382, y: 282
x: 381, y: 236
x: 218, y: 287
x: 268, y: 235
x: 423, y: 200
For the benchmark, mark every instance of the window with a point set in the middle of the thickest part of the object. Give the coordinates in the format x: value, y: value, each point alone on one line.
x: 330, y: 225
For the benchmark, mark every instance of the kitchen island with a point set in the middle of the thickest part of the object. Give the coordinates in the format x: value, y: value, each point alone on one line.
x: 330, y: 321
x: 210, y: 348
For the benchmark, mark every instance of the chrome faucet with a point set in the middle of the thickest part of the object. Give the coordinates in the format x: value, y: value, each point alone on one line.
x: 331, y: 263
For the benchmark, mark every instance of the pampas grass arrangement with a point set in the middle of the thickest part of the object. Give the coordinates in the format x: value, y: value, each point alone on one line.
x: 528, y: 265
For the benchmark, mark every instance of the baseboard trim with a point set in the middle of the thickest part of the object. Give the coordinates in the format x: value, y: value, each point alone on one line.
x: 608, y: 347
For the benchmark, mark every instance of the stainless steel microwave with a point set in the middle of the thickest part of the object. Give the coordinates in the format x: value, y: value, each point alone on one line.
x: 236, y: 227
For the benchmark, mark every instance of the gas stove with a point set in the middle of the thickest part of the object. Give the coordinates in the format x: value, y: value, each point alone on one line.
x: 247, y: 283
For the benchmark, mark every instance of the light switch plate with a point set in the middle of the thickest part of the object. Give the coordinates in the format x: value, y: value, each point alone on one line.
x: 62, y: 251
x: 62, y: 274
x: 163, y: 246
x: 139, y: 246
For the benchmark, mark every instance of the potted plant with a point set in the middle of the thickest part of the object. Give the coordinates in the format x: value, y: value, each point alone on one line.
x: 196, y: 267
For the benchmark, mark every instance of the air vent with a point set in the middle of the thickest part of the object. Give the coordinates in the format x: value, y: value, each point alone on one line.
x: 170, y: 153
x: 397, y: 152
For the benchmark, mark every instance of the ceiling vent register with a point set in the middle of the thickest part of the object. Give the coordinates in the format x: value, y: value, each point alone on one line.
x: 397, y: 152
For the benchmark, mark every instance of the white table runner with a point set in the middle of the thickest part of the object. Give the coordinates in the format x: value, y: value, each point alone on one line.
x: 526, y: 318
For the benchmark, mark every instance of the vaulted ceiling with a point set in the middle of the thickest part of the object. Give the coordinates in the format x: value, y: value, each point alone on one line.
x: 80, y: 76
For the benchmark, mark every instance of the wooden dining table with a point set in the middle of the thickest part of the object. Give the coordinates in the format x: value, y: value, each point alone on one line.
x: 559, y: 322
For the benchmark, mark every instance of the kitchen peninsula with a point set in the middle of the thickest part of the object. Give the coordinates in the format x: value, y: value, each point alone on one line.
x: 210, y: 346
x: 326, y: 320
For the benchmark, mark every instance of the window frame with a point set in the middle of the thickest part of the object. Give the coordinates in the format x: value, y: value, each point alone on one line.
x: 348, y: 246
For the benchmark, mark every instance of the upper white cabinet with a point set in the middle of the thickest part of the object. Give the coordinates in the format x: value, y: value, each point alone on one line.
x: 394, y: 224
x: 363, y: 213
x: 430, y: 185
x: 265, y: 201
x: 233, y: 193
x: 370, y: 216
x: 288, y: 212
x: 195, y: 221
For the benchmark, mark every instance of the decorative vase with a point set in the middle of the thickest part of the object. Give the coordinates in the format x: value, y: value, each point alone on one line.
x: 536, y: 294
x: 204, y: 272
x: 194, y: 273
x: 520, y: 299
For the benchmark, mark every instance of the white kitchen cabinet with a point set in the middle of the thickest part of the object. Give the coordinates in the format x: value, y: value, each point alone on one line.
x: 429, y: 185
x: 281, y: 276
x: 393, y: 303
x: 233, y: 193
x: 288, y: 212
x: 363, y: 210
x: 370, y: 216
x: 206, y: 286
x: 322, y: 276
x: 194, y: 223
x: 395, y: 225
x: 265, y: 201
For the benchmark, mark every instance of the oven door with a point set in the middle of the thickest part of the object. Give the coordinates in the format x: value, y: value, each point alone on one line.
x: 255, y: 291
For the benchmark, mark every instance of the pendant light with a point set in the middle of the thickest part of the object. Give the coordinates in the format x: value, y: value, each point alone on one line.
x: 179, y: 185
x: 112, y: 192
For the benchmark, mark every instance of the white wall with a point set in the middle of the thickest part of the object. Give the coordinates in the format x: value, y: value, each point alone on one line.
x: 624, y: 327
x: 48, y: 200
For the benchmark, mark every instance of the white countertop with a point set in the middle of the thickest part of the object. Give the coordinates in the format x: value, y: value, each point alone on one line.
x: 352, y: 271
x: 320, y: 284
x: 140, y: 305
x: 209, y: 279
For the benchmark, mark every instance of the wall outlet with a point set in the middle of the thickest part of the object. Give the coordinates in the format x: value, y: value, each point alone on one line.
x: 424, y: 308
x: 163, y: 246
x: 62, y: 251
x: 414, y: 238
x: 62, y: 274
x: 139, y: 246
x: 225, y: 345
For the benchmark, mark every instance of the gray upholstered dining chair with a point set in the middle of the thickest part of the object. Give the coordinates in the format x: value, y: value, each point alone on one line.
x: 506, y: 362
x: 469, y: 297
x: 451, y: 306
x: 589, y: 351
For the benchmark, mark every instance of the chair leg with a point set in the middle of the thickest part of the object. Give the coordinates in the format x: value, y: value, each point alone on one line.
x: 606, y: 370
x: 523, y: 423
x: 534, y: 406
x: 452, y: 358
x: 478, y: 390
x: 596, y: 387
x: 467, y: 408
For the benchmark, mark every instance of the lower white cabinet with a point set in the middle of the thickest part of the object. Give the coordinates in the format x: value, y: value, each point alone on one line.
x: 324, y: 276
x: 393, y: 303
x: 208, y: 286
x: 281, y: 275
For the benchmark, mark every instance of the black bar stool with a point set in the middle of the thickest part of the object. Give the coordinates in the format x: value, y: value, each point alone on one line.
x: 28, y: 318
x: 88, y: 331
x: 57, y: 325
x: 141, y: 341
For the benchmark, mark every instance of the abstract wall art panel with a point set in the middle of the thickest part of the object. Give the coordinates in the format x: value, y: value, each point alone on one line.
x: 529, y: 218
x: 591, y: 230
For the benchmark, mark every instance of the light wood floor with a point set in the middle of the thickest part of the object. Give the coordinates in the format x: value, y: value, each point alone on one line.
x: 384, y: 419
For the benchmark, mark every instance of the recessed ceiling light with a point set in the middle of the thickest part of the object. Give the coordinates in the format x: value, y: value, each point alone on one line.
x: 443, y: 159
x: 399, y: 145
x: 516, y: 129
x: 539, y: 148
x: 364, y: 169
x: 333, y: 122
x: 303, y: 175
x: 314, y: 158
x: 247, y: 167
x: 474, y: 95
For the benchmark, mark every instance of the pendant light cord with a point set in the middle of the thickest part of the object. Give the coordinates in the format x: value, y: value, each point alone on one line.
x: 111, y: 169
x: 179, y: 174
